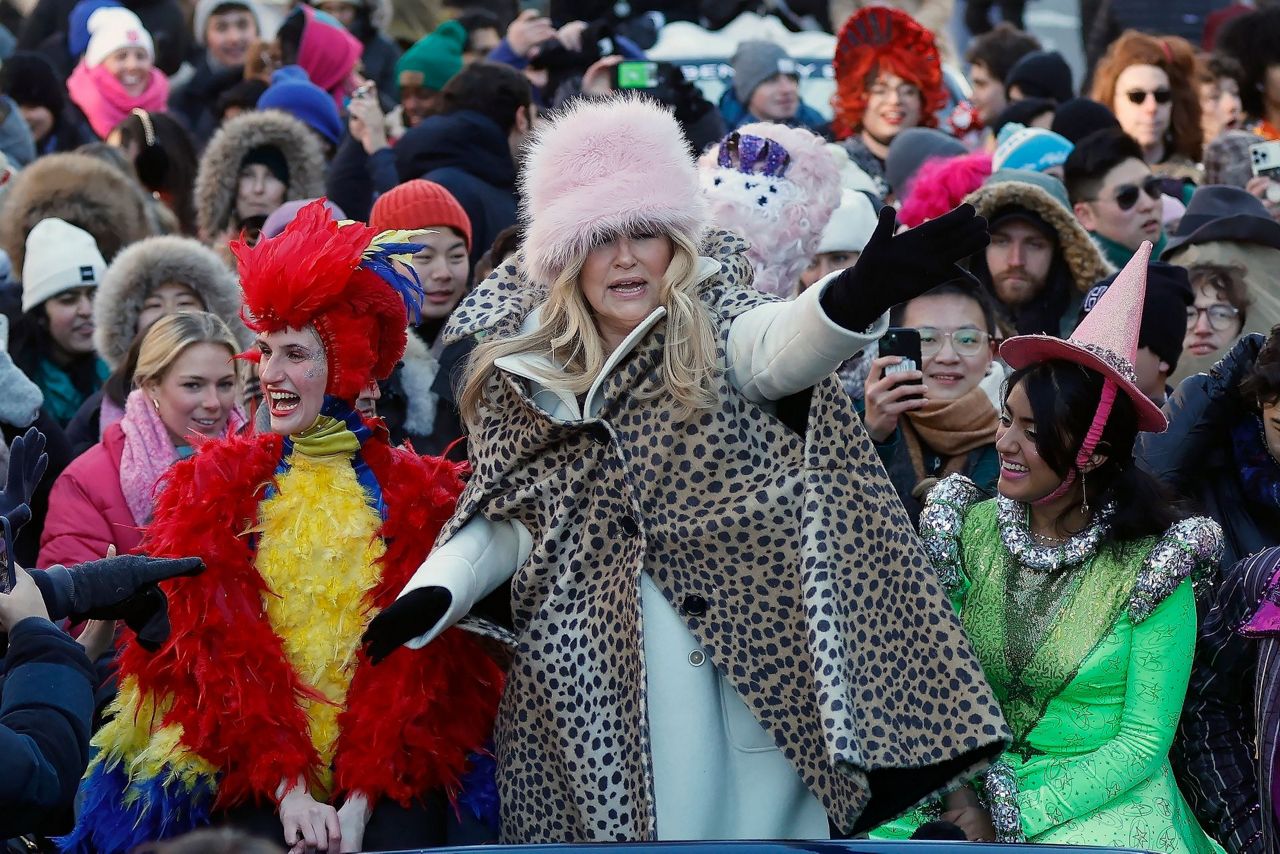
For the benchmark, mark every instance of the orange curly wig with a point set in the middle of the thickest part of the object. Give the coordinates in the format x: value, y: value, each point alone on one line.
x: 876, y: 39
x: 338, y: 279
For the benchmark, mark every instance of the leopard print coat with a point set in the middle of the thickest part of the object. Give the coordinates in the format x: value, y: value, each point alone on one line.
x: 822, y: 610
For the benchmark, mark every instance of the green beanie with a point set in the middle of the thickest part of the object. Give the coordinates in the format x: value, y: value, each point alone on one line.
x: 434, y: 58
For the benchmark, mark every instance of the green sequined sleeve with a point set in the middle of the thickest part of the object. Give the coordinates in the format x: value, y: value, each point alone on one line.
x: 1159, y: 667
x: 941, y: 522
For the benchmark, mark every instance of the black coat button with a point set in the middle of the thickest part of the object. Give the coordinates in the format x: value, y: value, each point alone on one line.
x: 599, y: 433
x: 629, y: 526
x: 695, y: 605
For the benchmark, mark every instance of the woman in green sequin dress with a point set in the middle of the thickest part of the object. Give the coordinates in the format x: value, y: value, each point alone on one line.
x: 1075, y: 588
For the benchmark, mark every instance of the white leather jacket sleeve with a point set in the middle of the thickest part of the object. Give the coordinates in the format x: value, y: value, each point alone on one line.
x: 471, y: 565
x: 780, y: 348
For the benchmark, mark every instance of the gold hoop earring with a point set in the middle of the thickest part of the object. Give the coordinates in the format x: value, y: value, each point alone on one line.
x: 155, y: 401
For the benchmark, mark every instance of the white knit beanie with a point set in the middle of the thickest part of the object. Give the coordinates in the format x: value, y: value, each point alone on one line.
x: 60, y: 257
x: 114, y: 27
x: 851, y: 224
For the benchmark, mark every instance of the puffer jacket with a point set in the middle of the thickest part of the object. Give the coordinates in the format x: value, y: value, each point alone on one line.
x: 1194, y: 457
x: 87, y: 508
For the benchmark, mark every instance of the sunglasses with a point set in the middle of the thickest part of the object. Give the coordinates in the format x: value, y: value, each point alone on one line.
x: 1139, y: 96
x: 1127, y: 194
x: 966, y: 342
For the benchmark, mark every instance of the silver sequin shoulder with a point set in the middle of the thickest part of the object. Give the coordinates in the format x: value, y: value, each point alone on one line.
x: 940, y: 524
x: 1189, y: 549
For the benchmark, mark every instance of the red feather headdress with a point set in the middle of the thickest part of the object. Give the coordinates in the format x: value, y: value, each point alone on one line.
x: 340, y: 279
x: 875, y: 39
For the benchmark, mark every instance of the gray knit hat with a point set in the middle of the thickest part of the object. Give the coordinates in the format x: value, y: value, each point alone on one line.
x: 755, y: 62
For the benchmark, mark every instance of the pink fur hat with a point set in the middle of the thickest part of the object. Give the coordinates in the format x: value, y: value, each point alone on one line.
x: 602, y: 168
x: 780, y: 199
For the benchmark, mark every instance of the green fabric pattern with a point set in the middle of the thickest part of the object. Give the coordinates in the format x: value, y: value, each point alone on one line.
x: 1099, y: 700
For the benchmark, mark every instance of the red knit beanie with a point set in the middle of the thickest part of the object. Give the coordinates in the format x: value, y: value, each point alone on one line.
x: 419, y: 204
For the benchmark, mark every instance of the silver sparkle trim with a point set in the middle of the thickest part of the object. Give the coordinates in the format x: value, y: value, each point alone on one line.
x: 1189, y: 549
x: 1000, y: 796
x: 1113, y: 360
x: 940, y: 524
x: 1015, y: 533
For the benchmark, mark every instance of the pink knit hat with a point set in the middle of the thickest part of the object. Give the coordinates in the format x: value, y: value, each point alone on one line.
x: 603, y: 168
x: 327, y: 53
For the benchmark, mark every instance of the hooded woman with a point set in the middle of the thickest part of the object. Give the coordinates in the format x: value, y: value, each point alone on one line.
x: 117, y: 73
x: 630, y: 470
x: 153, y: 278
x: 262, y: 712
x: 255, y: 163
x: 367, y: 21
x: 328, y: 53
x: 1075, y: 586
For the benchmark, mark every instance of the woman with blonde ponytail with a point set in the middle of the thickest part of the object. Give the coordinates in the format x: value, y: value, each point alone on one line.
x: 691, y: 576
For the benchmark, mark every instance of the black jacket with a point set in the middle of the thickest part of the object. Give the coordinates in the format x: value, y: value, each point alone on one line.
x: 356, y: 178
x: 1194, y: 456
x: 195, y: 102
x: 467, y: 153
x: 46, y: 709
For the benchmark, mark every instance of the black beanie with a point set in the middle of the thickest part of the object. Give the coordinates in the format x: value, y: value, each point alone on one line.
x: 1041, y: 74
x: 1079, y: 117
x: 1164, y: 314
x: 270, y: 157
x: 1023, y: 112
x: 30, y: 80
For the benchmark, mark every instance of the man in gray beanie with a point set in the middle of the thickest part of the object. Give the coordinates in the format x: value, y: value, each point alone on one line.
x: 766, y: 88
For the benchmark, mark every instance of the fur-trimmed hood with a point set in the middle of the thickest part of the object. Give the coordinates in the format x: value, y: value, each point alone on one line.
x: 217, y: 178
x: 1084, y: 258
x: 83, y: 190
x: 146, y: 265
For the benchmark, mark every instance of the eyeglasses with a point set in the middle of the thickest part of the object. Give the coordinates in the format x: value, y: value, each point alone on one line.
x: 966, y: 342
x: 1139, y: 96
x: 1127, y: 194
x: 1221, y: 316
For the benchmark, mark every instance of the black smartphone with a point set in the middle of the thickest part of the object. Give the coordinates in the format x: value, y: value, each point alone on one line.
x: 636, y: 75
x: 8, y: 574
x: 904, y: 342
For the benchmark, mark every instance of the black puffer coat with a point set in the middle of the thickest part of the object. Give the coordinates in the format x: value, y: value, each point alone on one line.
x: 1194, y: 457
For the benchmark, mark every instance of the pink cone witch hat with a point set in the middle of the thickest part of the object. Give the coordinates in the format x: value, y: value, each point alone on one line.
x: 1106, y: 341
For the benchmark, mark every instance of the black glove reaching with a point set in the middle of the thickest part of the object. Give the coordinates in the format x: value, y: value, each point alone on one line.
x: 412, y: 615
x: 27, y: 462
x: 116, y: 588
x: 893, y: 269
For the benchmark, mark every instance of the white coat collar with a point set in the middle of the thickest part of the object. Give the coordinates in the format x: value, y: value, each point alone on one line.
x: 540, y: 370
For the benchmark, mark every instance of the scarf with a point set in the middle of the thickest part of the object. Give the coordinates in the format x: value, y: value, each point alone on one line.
x: 1259, y: 471
x: 1119, y: 254
x: 951, y: 429
x: 104, y: 101
x: 149, y: 451
x: 62, y: 399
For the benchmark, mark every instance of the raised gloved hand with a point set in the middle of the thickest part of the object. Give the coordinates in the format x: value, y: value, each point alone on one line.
x: 116, y: 588
x: 27, y: 463
x: 411, y: 616
x: 895, y: 268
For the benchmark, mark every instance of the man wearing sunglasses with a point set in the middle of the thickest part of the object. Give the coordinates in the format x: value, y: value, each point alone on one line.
x: 1114, y: 195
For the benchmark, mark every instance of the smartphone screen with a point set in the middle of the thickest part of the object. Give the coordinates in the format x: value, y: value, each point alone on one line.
x: 636, y: 75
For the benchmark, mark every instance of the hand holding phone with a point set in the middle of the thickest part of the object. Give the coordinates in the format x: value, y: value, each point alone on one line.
x: 895, y: 384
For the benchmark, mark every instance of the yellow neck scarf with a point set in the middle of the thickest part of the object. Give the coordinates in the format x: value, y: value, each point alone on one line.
x: 325, y: 438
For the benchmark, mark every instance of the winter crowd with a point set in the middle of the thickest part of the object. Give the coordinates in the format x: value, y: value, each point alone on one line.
x: 446, y: 422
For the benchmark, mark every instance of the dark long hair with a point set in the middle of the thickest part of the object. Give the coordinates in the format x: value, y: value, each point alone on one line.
x: 30, y: 342
x: 166, y: 163
x: 1064, y: 397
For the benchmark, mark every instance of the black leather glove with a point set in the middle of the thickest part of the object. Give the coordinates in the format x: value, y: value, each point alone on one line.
x: 412, y: 615
x: 27, y: 463
x: 116, y: 588
x: 895, y: 268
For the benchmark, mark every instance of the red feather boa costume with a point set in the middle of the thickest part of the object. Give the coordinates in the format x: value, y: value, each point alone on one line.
x: 409, y: 723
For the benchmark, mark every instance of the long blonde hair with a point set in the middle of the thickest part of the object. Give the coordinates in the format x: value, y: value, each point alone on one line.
x: 170, y: 336
x: 568, y: 335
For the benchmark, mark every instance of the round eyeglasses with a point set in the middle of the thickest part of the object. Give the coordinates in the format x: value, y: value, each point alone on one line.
x: 966, y: 342
x: 1221, y: 316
